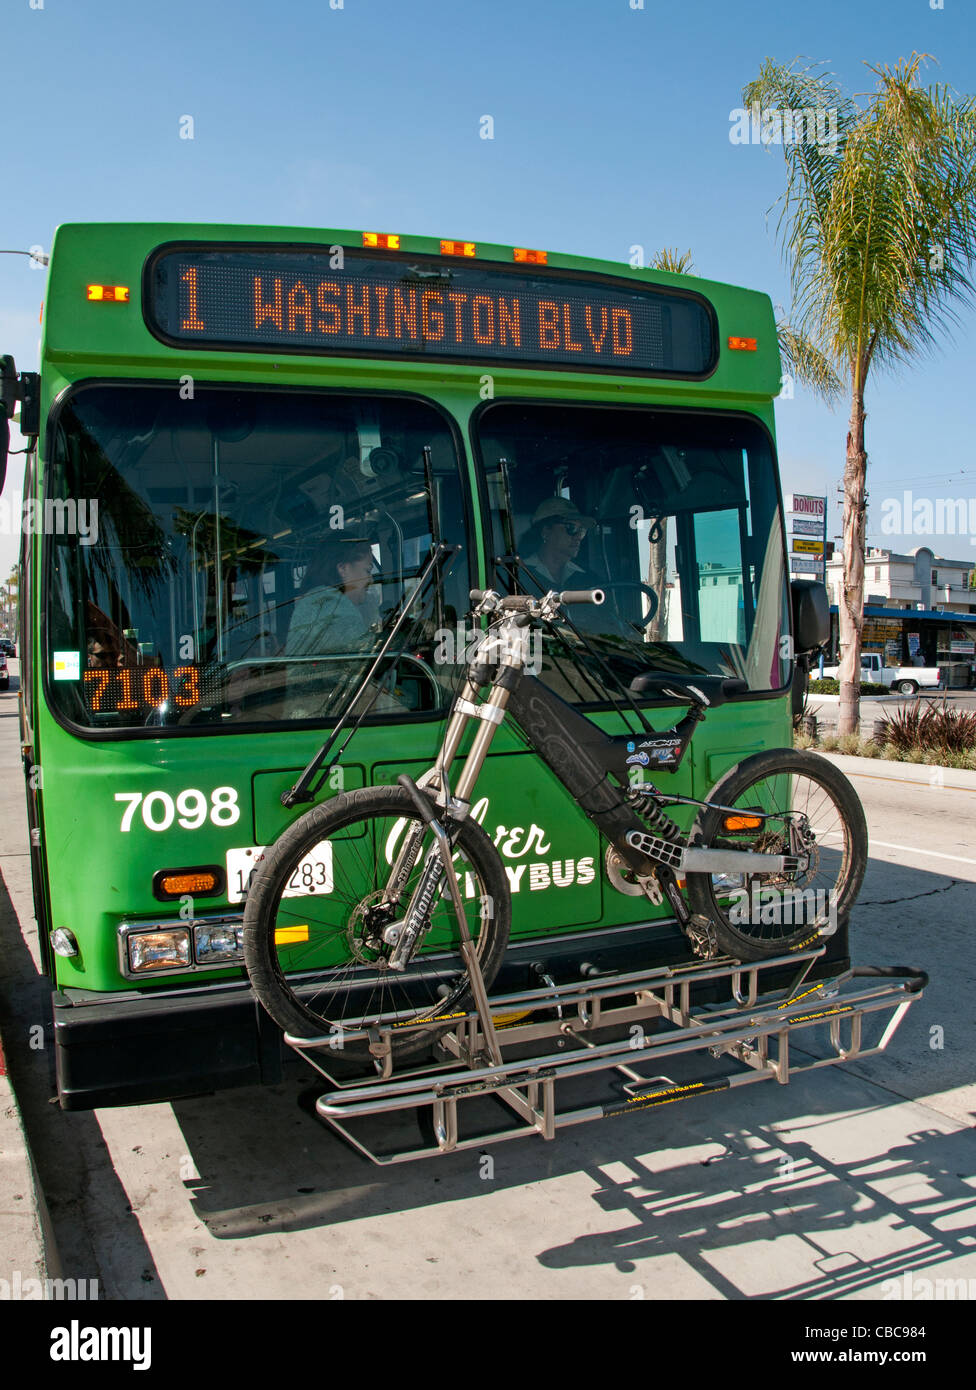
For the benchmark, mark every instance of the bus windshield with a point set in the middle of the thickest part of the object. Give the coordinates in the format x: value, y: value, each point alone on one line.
x: 674, y: 514
x: 249, y: 549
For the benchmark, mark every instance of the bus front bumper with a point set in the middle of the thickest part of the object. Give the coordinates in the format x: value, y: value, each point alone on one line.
x: 129, y: 1050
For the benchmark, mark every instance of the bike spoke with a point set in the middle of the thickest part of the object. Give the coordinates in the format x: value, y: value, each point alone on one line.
x: 345, y: 983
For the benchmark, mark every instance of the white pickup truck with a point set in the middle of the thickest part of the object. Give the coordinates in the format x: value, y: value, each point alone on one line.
x: 906, y: 680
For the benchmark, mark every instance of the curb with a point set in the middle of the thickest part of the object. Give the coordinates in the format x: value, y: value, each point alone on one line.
x: 28, y: 1244
x: 813, y: 695
x: 915, y: 774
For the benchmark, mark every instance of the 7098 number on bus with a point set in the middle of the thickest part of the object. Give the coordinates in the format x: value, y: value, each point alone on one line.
x: 190, y: 810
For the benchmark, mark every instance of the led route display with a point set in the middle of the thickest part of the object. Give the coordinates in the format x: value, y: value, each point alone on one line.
x: 412, y: 306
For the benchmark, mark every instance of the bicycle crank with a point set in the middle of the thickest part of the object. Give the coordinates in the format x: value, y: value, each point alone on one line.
x: 623, y: 878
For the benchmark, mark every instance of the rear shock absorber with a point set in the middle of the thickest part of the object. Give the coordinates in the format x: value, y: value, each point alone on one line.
x: 644, y: 801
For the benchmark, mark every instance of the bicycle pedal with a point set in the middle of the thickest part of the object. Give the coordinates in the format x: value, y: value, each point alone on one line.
x: 701, y: 933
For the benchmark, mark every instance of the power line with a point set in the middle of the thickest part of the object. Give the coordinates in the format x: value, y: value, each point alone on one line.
x: 925, y: 478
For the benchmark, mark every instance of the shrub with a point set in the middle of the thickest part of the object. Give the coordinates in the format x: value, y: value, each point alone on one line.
x: 902, y: 729
x: 849, y: 743
x: 940, y: 729
x: 829, y: 743
x: 950, y: 728
x: 830, y: 686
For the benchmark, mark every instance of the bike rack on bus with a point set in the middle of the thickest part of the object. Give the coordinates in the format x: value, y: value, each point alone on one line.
x: 753, y: 1028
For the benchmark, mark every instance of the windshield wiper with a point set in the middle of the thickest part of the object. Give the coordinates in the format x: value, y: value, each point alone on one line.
x: 441, y: 557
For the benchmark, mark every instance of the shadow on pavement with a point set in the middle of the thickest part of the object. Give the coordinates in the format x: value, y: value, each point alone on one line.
x: 825, y: 1161
x: 94, y: 1230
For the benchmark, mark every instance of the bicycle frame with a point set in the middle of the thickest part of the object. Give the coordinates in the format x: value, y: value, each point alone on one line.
x: 581, y: 756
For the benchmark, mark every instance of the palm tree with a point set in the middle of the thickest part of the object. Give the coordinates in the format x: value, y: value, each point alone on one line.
x: 878, y: 222
x: 671, y: 260
x: 804, y: 361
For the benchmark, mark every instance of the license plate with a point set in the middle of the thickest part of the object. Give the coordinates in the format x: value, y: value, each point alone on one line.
x: 311, y: 877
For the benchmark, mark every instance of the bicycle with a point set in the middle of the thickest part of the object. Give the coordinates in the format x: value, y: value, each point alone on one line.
x: 388, y: 907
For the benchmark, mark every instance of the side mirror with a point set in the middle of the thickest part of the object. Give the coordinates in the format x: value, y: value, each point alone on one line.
x: 9, y: 396
x: 811, y: 615
x: 25, y: 388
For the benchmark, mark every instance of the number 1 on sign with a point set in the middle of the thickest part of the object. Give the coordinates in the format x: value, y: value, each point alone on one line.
x: 192, y: 320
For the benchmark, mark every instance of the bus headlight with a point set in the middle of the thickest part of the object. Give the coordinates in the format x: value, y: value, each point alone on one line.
x: 218, y: 942
x: 159, y: 950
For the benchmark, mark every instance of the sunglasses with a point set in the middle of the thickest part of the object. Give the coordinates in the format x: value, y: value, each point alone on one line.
x: 573, y: 528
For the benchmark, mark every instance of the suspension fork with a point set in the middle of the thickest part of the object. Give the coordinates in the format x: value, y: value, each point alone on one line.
x: 434, y: 779
x: 407, y: 936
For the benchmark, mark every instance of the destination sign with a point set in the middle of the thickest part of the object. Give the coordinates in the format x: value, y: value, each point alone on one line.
x: 137, y: 690
x: 410, y: 306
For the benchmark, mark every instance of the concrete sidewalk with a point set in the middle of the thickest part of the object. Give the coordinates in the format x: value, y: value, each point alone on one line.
x: 913, y: 774
x: 24, y: 1260
x: 27, y: 1247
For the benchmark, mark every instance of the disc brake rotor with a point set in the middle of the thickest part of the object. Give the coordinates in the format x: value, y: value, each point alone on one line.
x: 773, y: 842
x: 358, y: 928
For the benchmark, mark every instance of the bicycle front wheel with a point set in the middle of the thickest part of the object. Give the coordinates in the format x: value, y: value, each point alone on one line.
x: 760, y: 915
x: 317, y: 907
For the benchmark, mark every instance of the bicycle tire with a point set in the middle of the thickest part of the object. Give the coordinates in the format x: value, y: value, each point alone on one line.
x: 308, y: 998
x: 709, y: 894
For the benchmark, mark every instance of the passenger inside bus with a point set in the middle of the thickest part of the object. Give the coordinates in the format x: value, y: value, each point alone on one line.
x: 107, y: 647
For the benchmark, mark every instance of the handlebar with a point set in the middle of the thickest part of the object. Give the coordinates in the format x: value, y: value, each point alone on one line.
x: 596, y: 596
x: 524, y: 603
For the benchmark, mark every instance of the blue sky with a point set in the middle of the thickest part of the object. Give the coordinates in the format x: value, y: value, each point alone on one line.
x: 611, y: 129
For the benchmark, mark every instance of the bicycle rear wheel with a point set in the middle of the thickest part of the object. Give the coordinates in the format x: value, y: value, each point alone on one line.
x: 315, y: 914
x: 760, y: 915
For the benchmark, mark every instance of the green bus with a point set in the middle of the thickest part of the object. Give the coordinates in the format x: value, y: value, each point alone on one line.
x: 226, y: 422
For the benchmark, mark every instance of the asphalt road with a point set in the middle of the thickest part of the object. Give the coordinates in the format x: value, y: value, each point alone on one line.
x: 827, y: 1188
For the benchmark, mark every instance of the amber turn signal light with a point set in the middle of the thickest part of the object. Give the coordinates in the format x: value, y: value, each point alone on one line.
x: 742, y: 823
x: 116, y: 294
x: 206, y: 881
x: 743, y: 344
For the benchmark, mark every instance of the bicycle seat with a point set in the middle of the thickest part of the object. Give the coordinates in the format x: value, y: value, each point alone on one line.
x: 708, y: 691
